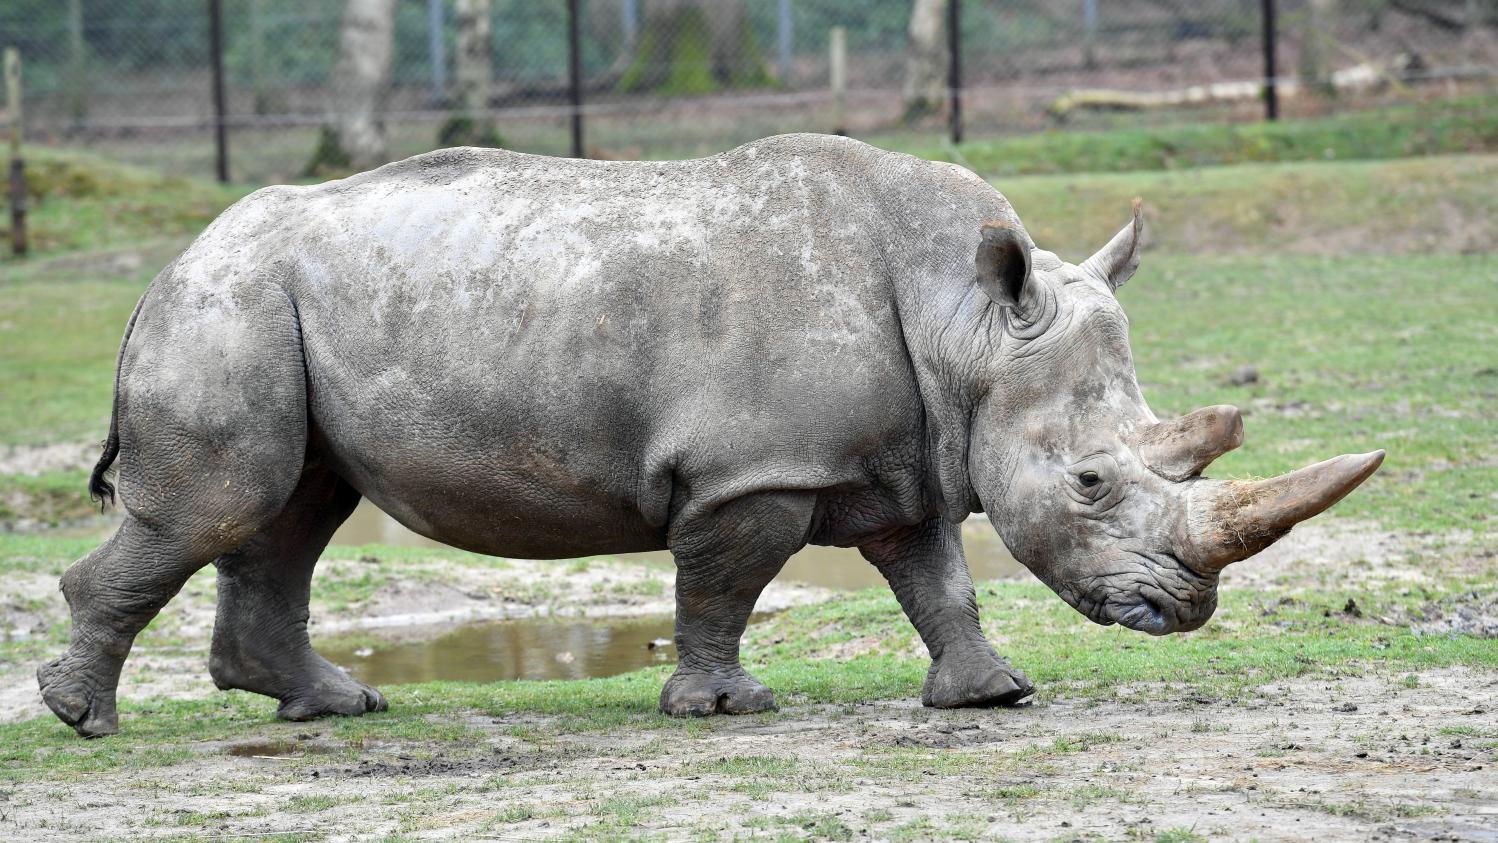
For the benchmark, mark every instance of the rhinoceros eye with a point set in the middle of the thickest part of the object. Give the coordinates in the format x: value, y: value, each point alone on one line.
x: 1089, y: 479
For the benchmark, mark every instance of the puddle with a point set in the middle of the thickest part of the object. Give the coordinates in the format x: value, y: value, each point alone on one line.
x: 537, y: 648
x: 274, y: 749
x: 842, y: 569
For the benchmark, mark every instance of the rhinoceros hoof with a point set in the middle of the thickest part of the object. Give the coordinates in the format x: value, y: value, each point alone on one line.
x: 704, y: 694
x: 337, y: 696
x: 68, y: 691
x: 975, y: 683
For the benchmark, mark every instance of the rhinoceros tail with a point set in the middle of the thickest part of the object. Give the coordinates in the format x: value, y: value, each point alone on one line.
x: 101, y: 490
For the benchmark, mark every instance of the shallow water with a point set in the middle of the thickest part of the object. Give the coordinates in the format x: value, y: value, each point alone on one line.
x: 534, y: 648
x: 838, y: 568
x: 550, y: 648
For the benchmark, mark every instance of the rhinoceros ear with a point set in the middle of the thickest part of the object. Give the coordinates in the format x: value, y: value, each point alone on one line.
x: 1003, y: 263
x: 1115, y: 263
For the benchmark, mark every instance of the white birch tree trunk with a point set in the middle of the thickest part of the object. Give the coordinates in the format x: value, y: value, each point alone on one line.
x: 361, y: 80
x: 926, y: 59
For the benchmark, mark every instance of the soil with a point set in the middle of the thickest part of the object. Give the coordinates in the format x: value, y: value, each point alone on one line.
x: 1360, y: 759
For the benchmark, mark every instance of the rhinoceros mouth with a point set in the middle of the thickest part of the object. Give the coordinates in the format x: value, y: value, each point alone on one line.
x: 1144, y: 615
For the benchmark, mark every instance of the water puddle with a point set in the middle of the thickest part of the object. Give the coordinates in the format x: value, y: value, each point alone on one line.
x: 536, y: 648
x: 272, y: 749
x: 841, y: 569
x: 551, y: 648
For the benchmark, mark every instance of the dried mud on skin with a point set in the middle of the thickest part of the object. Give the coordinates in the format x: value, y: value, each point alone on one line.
x: 1365, y: 759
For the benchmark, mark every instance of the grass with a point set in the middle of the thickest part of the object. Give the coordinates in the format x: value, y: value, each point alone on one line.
x: 1466, y: 124
x: 79, y: 204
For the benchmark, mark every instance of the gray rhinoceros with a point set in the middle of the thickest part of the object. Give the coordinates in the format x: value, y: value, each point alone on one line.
x: 805, y: 340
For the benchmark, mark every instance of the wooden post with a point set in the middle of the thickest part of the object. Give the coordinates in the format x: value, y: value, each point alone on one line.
x: 17, y: 165
x: 837, y: 45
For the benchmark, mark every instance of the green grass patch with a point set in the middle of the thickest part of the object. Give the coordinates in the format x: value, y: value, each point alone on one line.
x: 1347, y: 363
x: 85, y: 202
x: 1467, y: 124
x: 1350, y: 209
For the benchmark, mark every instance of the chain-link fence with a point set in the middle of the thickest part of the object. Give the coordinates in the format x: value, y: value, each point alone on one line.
x: 317, y: 86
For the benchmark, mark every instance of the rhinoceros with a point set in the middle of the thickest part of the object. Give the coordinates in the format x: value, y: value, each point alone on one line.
x: 805, y: 340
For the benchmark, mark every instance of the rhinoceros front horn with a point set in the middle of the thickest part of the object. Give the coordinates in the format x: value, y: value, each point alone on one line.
x: 1233, y: 520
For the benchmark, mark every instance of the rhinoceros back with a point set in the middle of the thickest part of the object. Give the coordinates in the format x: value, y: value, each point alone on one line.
x: 543, y: 357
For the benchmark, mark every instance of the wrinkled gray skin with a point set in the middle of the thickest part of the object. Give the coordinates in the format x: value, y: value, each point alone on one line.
x: 803, y: 340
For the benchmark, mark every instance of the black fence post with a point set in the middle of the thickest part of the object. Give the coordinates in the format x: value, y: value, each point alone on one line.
x: 954, y: 66
x: 216, y: 51
x: 1271, y: 71
x: 575, y: 78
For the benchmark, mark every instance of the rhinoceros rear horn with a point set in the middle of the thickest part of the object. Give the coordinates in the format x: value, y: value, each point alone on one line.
x: 1183, y: 447
x: 1115, y: 263
x: 1231, y: 521
x: 1003, y: 264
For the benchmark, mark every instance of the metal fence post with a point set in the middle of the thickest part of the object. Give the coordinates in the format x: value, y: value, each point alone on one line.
x: 954, y: 66
x: 437, y: 50
x: 1271, y: 72
x: 783, y: 21
x: 77, y: 69
x: 216, y: 50
x: 629, y: 20
x: 837, y: 61
x: 575, y: 78
x: 17, y: 164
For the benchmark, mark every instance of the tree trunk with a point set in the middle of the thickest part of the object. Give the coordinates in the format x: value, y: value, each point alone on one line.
x: 695, y: 47
x: 361, y: 80
x: 926, y: 60
x: 1316, y: 37
x: 474, y: 70
x: 472, y: 125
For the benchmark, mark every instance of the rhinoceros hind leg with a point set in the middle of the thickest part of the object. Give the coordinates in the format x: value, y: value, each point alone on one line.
x: 260, y: 641
x: 723, y: 561
x: 116, y: 590
x: 211, y: 420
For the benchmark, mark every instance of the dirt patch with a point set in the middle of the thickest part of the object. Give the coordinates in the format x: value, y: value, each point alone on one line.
x: 1372, y: 758
x: 1473, y: 613
x: 31, y: 460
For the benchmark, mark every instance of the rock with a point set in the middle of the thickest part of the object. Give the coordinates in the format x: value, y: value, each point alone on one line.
x: 1243, y: 376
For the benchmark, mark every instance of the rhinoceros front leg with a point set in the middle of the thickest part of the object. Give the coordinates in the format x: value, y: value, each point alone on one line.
x: 723, y: 561
x: 925, y: 567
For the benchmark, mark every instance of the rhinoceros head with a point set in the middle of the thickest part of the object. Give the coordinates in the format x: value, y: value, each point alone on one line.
x: 1101, y: 500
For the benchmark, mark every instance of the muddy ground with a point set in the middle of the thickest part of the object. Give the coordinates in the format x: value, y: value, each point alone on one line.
x: 1386, y: 754
x: 1373, y: 758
